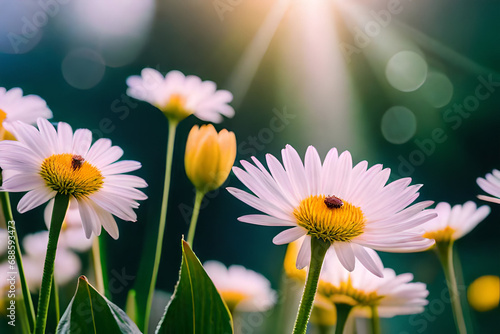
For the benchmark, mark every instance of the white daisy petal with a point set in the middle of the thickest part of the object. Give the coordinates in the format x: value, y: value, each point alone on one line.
x: 371, y: 261
x: 107, y: 221
x: 49, y: 134
x: 29, y: 136
x: 295, y: 170
x: 120, y: 208
x: 120, y: 167
x: 81, y: 142
x: 345, y: 254
x: 127, y: 180
x: 34, y: 198
x: 23, y: 182
x: 100, y: 147
x: 312, y: 167
x: 304, y: 256
x: 265, y: 220
x: 89, y: 218
x: 65, y: 137
x: 289, y: 235
x: 258, y: 204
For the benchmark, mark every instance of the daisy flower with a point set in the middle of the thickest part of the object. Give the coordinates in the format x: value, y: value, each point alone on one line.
x: 452, y: 223
x: 45, y: 162
x: 179, y: 96
x: 392, y: 295
x: 16, y: 107
x: 242, y: 289
x: 490, y: 184
x: 351, y: 209
x: 72, y: 236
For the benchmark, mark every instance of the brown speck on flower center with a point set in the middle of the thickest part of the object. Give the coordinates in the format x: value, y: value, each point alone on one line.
x: 77, y: 162
x: 333, y: 202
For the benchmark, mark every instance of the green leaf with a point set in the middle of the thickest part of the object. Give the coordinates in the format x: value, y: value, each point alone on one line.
x: 195, y: 307
x: 90, y: 312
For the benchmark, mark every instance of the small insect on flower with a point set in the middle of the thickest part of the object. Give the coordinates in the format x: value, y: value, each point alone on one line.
x: 333, y: 202
x: 77, y: 162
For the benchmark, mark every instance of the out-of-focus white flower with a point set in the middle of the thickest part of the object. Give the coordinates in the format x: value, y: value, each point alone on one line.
x: 452, y: 223
x: 490, y: 184
x: 392, y: 295
x: 72, y: 234
x: 242, y: 289
x: 16, y: 107
x: 179, y: 96
x: 67, y: 264
x: 351, y: 208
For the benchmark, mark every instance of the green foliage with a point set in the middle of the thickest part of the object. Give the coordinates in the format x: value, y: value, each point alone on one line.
x: 90, y: 312
x: 196, y: 306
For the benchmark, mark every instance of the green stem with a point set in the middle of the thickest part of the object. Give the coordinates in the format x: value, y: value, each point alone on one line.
x: 172, y: 126
x: 375, y: 320
x: 60, y: 207
x: 96, y: 259
x: 55, y: 298
x: 445, y: 254
x: 318, y: 252
x: 343, y: 311
x: 194, y: 218
x: 104, y: 265
x: 28, y: 303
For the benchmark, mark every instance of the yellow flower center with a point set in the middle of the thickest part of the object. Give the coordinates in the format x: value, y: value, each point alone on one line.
x: 175, y: 107
x: 441, y: 235
x: 70, y: 174
x: 232, y: 298
x: 347, y: 294
x: 4, y: 134
x: 3, y: 116
x: 330, y: 218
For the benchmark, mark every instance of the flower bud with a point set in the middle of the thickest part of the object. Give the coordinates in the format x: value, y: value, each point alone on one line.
x: 209, y: 156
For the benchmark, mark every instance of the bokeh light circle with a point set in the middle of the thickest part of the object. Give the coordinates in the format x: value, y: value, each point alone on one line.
x: 83, y: 68
x: 398, y: 125
x: 437, y: 89
x: 406, y: 71
x: 484, y: 293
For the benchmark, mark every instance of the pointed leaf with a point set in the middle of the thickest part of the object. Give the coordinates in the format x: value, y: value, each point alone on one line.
x: 91, y: 313
x: 196, y: 306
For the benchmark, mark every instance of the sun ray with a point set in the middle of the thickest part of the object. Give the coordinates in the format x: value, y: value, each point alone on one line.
x: 247, y: 66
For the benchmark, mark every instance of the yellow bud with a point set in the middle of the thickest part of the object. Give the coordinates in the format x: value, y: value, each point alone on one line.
x: 209, y: 157
x: 484, y: 293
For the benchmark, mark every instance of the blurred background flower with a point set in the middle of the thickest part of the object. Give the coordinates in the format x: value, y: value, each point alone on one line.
x: 243, y: 290
x: 413, y: 85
